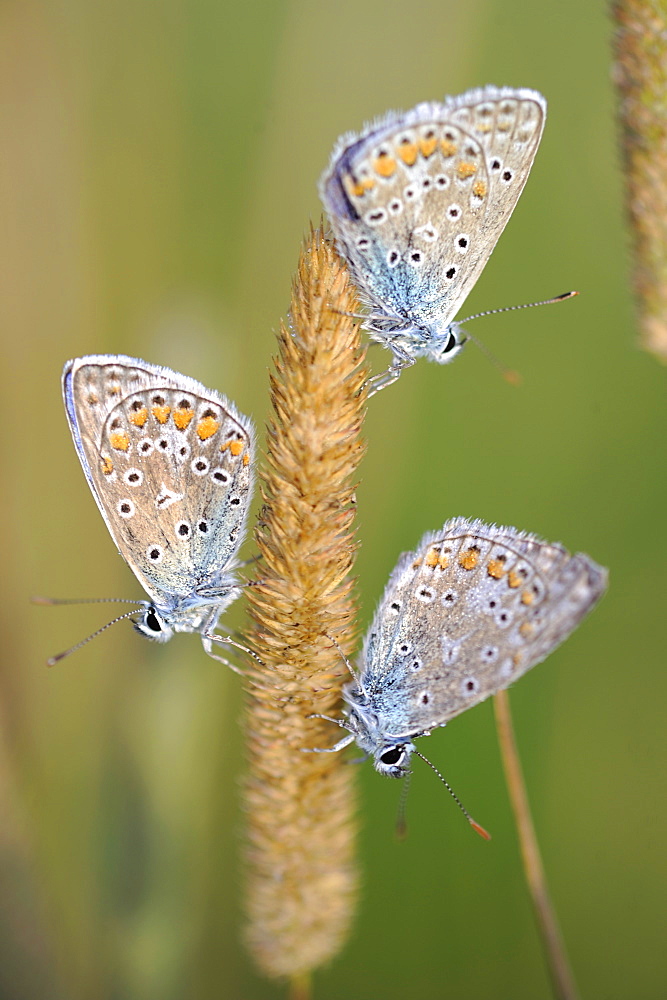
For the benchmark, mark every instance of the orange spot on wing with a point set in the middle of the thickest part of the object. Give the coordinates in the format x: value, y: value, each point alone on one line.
x: 139, y: 417
x: 183, y: 417
x: 384, y: 165
x: 448, y: 147
x: 207, y: 427
x: 479, y: 189
x: 246, y: 459
x: 107, y: 465
x: 161, y: 413
x: 513, y: 579
x: 432, y: 557
x: 469, y: 559
x: 428, y: 146
x: 527, y: 597
x: 408, y: 153
x: 443, y: 562
x: 358, y: 188
x: 120, y: 441
x: 526, y: 629
x: 495, y: 569
x: 466, y: 169
x: 236, y: 447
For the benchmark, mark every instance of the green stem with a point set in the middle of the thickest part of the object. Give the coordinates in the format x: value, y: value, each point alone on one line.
x: 554, y: 948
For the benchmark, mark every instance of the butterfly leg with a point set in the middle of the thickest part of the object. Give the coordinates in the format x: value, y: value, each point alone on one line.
x: 342, y: 724
x: 388, y: 377
x: 327, y: 718
x: 207, y: 643
x: 208, y: 638
x: 345, y: 742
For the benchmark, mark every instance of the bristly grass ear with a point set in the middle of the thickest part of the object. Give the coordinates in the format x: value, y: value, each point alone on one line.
x: 640, y: 51
x: 302, y: 882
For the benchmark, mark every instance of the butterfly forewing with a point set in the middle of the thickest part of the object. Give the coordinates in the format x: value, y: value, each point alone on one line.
x: 169, y: 462
x: 419, y: 200
x: 466, y: 614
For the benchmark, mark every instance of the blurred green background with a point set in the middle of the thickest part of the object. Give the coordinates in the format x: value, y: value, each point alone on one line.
x: 158, y: 167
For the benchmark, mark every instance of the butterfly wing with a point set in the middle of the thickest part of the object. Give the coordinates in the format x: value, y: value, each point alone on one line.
x: 169, y: 463
x: 418, y: 201
x: 465, y: 615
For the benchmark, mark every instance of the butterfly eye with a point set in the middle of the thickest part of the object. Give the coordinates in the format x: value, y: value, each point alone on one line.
x: 153, y: 626
x: 152, y: 621
x: 452, y: 342
x: 393, y: 756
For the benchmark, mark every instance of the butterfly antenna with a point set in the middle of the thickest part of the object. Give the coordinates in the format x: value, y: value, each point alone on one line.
x: 51, y: 662
x: 401, y: 822
x: 509, y: 374
x: 87, y: 600
x: 523, y: 305
x: 474, y: 824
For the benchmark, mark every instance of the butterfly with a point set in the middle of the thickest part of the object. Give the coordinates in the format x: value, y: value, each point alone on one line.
x: 170, y: 465
x: 465, y: 615
x: 417, y: 202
